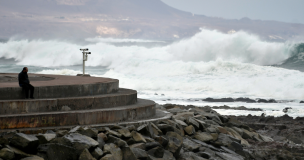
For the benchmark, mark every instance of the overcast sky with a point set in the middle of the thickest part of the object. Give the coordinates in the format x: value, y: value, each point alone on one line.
x: 279, y: 10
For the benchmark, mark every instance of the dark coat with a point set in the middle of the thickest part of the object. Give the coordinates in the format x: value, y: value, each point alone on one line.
x: 23, y: 78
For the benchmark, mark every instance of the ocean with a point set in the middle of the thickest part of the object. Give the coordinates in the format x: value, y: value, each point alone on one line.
x: 209, y: 64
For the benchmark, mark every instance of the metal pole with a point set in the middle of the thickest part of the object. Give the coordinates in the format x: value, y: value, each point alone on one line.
x: 83, y: 63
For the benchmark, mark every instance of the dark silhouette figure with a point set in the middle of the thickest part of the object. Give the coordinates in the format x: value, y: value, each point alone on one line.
x: 24, y: 82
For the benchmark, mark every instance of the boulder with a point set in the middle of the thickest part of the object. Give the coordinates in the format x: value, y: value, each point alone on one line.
x: 152, y: 145
x: 32, y: 158
x: 139, y: 153
x: 202, y: 124
x: 183, y: 116
x: 226, y: 140
x: 131, y: 128
x: 162, y: 140
x: 190, y: 130
x: 90, y: 132
x: 124, y: 132
x: 190, y: 145
x: 193, y: 122
x: 5, y: 137
x: 189, y: 156
x: 212, y: 129
x: 138, y: 137
x: 7, y: 154
x: 57, y: 151
x: 114, y: 133
x: 165, y: 128
x: 146, y: 130
x: 182, y: 123
x: 175, y: 143
x: 229, y: 156
x: 61, y: 133
x: 103, y: 136
x: 157, y: 152
x: 25, y: 142
x: 203, y: 136
x: 86, y: 155
x: 108, y: 157
x: 18, y: 153
x: 265, y: 138
x: 138, y: 145
x: 119, y: 142
x: 156, y: 130
x: 114, y: 150
x: 247, y: 134
x: 97, y: 153
x: 80, y: 142
x: 127, y: 154
x: 168, y: 155
x: 176, y: 110
x: 46, y: 138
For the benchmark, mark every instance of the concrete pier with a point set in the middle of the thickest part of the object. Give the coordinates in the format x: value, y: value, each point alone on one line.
x: 68, y: 100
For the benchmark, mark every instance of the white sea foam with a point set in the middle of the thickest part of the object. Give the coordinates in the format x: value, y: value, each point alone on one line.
x: 209, y: 64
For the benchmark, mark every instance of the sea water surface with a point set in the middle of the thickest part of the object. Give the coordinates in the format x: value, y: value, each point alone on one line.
x: 209, y: 64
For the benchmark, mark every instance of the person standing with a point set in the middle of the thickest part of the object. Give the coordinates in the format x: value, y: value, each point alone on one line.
x: 24, y: 82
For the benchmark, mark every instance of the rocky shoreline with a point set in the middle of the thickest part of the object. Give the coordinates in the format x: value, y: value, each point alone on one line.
x: 192, y: 133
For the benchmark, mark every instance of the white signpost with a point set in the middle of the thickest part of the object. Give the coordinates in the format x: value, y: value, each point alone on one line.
x: 85, y: 58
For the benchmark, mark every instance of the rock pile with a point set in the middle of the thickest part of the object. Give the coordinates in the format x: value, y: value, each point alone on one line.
x: 190, y: 134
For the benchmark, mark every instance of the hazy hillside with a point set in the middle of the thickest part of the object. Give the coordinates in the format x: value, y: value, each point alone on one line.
x: 121, y: 18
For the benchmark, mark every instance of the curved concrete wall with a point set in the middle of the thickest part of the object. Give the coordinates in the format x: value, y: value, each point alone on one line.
x: 141, y: 110
x: 122, y: 97
x: 11, y: 93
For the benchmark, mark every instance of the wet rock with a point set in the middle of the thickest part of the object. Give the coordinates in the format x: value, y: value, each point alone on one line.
x: 203, y: 136
x: 266, y: 101
x: 157, y: 152
x: 301, y: 101
x: 139, y: 153
x: 97, y: 153
x: 124, y: 132
x: 138, y: 145
x: 25, y: 142
x: 190, y: 145
x: 114, y: 150
x: 45, y: 138
x: 138, y: 137
x: 86, y: 155
x: 108, y: 157
x: 7, y: 154
x: 219, y: 100
x: 189, y: 156
x: 61, y: 133
x: 189, y: 130
x: 57, y: 151
x: 80, y: 142
x: 119, y: 142
x: 175, y: 143
x: 90, y: 132
x: 247, y: 100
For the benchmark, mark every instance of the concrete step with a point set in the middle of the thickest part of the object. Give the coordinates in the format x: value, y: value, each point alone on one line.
x: 141, y: 110
x: 24, y: 106
x: 57, y: 86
